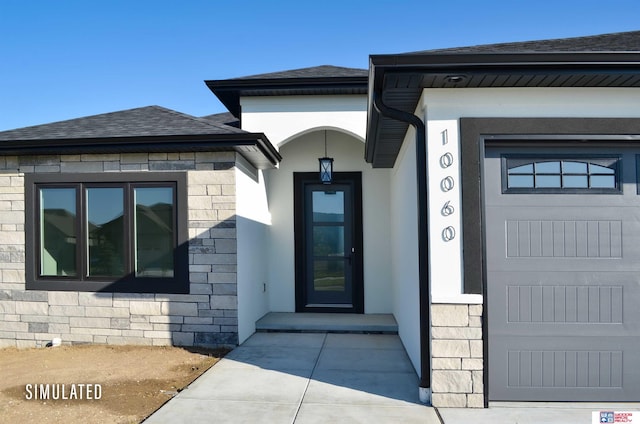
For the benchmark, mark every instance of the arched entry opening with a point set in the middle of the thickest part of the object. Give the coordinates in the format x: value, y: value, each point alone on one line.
x: 319, y: 261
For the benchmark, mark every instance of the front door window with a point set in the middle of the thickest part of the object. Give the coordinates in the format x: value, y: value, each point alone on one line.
x: 329, y: 242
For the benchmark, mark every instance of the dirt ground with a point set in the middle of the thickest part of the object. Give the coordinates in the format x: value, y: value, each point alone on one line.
x: 135, y: 381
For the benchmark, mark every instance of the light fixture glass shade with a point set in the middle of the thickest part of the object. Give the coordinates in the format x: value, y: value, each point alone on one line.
x: 326, y: 170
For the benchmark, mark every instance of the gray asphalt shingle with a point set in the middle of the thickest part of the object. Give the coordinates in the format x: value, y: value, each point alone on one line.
x: 139, y: 122
x: 323, y: 71
x: 614, y: 42
x: 224, y: 118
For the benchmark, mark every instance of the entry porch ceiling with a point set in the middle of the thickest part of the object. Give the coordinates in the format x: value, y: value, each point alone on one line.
x: 401, y: 79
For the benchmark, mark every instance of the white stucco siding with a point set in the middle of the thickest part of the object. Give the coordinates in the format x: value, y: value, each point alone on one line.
x: 252, y: 223
x: 444, y: 108
x: 404, y: 249
x: 378, y: 282
x: 301, y: 155
x: 287, y: 117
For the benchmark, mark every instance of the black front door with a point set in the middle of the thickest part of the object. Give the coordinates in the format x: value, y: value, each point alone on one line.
x: 328, y: 233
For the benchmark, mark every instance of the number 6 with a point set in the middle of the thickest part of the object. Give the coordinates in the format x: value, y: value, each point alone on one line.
x: 447, y: 209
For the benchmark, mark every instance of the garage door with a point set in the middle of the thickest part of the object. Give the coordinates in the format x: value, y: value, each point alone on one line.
x: 563, y: 274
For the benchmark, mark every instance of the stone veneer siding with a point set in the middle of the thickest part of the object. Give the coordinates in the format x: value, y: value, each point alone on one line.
x: 457, y: 356
x: 207, y: 316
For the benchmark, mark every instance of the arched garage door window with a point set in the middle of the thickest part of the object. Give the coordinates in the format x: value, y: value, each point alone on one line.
x: 521, y: 174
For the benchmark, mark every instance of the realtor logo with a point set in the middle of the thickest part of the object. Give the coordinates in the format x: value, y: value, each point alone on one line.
x: 612, y: 417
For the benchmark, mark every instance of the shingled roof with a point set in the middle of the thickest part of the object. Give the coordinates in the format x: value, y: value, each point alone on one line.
x: 139, y: 122
x: 322, y: 71
x: 317, y: 80
x: 145, y: 129
x: 615, y: 42
x: 224, y: 118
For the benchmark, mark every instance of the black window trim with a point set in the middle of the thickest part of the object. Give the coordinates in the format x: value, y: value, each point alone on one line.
x: 178, y: 284
x: 587, y: 158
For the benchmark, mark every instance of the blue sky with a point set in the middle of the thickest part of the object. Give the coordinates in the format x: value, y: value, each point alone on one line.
x: 66, y: 59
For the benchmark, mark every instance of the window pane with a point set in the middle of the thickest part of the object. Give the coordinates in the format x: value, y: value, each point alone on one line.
x: 328, y: 241
x: 574, y: 167
x: 575, y: 181
x: 105, y: 229
x: 58, y: 232
x: 603, y: 181
x: 547, y: 181
x: 328, y: 275
x: 154, y: 231
x: 523, y: 169
x: 328, y: 206
x: 548, y: 167
x: 520, y: 181
x: 597, y: 169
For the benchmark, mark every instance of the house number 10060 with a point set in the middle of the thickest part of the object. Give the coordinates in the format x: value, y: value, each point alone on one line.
x: 446, y: 185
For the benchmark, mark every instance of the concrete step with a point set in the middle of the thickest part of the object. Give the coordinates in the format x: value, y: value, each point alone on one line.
x: 327, y: 323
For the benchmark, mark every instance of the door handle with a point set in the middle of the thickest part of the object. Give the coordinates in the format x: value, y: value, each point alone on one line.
x: 350, y: 255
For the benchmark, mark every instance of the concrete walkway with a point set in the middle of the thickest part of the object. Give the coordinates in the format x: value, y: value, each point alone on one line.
x: 305, y: 378
x: 336, y: 378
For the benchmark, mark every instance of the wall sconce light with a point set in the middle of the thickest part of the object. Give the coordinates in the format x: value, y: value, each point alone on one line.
x: 326, y: 165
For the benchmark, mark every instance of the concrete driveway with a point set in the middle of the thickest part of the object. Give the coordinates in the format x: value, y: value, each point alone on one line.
x: 305, y: 378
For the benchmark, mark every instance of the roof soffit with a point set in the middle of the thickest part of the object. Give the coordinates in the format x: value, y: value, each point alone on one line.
x: 401, y: 79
